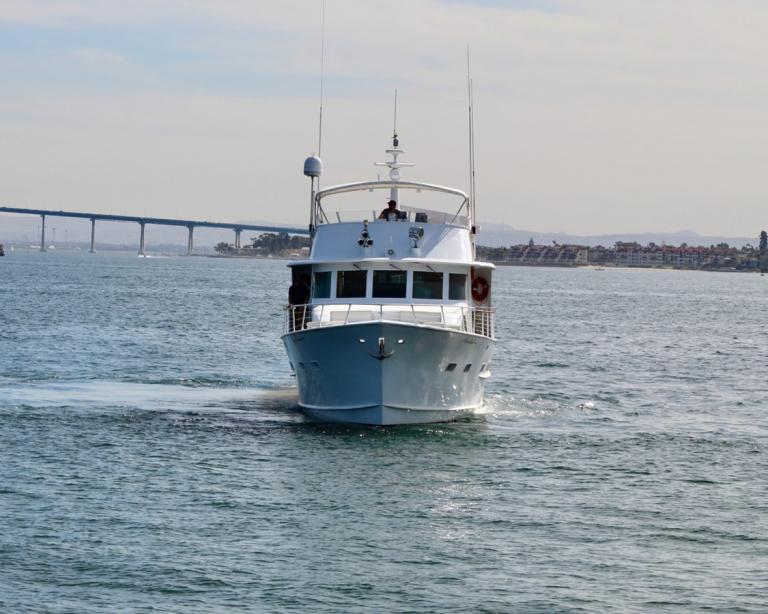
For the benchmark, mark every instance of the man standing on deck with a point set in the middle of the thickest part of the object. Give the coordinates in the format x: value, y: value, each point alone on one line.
x: 391, y: 214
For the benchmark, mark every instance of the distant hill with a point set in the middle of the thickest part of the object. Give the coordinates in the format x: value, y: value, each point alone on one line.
x: 501, y: 235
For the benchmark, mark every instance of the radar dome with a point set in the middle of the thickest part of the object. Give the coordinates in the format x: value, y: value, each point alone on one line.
x: 313, y: 166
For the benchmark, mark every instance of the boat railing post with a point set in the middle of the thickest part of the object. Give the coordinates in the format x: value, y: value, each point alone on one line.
x: 443, y: 321
x: 381, y: 312
x: 346, y: 318
x: 490, y: 323
x: 413, y: 313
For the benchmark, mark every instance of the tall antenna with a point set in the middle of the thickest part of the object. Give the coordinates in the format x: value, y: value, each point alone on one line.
x: 322, y: 76
x: 313, y: 166
x: 394, y: 128
x: 471, y: 143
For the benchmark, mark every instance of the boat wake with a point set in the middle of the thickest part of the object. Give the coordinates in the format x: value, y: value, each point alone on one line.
x: 149, y: 397
x: 508, y: 408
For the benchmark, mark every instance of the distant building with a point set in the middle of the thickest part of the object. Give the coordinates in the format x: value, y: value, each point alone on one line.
x: 627, y: 254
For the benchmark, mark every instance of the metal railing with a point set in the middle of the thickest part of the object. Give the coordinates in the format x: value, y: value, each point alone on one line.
x: 477, y: 320
x: 409, y: 214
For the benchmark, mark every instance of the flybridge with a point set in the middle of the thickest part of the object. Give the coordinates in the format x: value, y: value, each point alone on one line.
x: 143, y: 221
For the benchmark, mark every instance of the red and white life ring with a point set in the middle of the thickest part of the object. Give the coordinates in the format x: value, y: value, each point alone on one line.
x: 480, y: 288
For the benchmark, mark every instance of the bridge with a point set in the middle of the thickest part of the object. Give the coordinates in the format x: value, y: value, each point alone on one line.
x: 143, y: 221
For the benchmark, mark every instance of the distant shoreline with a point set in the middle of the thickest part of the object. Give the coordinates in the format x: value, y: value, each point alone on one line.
x: 605, y: 267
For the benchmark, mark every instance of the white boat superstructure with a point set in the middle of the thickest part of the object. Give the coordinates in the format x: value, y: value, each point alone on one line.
x: 398, y: 327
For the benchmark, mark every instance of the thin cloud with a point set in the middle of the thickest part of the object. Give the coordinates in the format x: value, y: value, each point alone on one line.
x: 607, y: 115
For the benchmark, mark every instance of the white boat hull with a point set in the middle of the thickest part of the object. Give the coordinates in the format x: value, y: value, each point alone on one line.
x: 384, y: 373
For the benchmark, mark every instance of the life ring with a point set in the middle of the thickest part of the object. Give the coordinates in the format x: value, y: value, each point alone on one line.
x: 480, y: 288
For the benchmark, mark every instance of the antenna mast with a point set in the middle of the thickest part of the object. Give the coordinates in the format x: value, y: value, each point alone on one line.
x: 394, y: 128
x: 313, y: 166
x: 322, y: 78
x: 471, y: 144
x: 393, y: 164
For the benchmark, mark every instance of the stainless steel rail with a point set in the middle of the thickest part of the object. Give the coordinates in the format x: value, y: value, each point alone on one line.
x: 477, y: 320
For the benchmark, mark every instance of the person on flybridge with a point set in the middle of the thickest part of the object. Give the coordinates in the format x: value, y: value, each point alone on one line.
x: 391, y: 213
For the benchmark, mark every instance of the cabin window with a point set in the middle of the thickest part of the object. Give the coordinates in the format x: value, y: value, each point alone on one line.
x: 457, y: 287
x: 322, y: 286
x: 389, y: 284
x: 350, y: 284
x: 427, y: 284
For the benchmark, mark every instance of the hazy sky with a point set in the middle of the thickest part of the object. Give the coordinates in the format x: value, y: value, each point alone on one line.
x: 592, y: 116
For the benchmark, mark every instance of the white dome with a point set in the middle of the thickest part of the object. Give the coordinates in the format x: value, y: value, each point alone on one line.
x: 313, y: 166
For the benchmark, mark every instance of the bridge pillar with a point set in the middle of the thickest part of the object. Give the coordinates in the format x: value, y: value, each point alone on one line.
x: 141, y: 240
x: 237, y: 237
x: 190, y: 243
x: 42, y: 234
x: 93, y: 236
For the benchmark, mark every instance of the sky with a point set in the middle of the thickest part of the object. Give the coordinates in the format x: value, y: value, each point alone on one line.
x: 591, y: 116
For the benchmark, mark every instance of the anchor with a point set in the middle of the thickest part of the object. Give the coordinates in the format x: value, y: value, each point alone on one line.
x: 383, y: 354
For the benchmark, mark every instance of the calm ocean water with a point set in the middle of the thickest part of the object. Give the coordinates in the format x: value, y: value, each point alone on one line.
x: 153, y: 459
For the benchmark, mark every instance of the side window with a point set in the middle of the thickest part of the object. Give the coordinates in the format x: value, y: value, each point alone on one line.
x: 427, y: 284
x: 457, y: 286
x: 322, y: 286
x: 350, y: 284
x: 389, y: 284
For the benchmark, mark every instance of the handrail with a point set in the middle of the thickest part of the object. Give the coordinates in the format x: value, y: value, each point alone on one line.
x: 476, y: 320
x: 382, y: 185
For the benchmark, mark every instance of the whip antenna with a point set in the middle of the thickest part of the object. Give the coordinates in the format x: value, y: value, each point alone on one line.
x: 313, y: 166
x: 471, y: 143
x: 394, y: 127
x: 322, y: 78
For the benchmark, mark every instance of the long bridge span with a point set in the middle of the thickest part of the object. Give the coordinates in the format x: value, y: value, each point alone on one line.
x: 143, y: 221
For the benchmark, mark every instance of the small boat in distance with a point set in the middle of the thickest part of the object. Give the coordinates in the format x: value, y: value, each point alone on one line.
x: 396, y: 326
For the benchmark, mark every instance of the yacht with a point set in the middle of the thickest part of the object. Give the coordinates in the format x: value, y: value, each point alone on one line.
x: 397, y: 326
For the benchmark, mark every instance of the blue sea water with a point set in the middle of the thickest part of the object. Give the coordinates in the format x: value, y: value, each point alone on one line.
x: 152, y: 458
